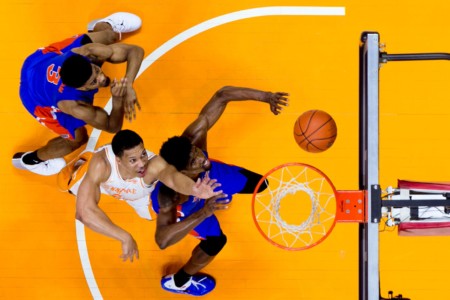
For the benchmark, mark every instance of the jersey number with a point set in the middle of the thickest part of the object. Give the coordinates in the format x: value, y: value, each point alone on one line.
x: 52, y: 75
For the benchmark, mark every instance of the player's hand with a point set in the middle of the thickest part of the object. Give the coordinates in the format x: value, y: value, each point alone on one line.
x: 119, y: 87
x: 129, y: 250
x: 218, y: 202
x: 276, y: 101
x: 130, y: 103
x: 204, y: 188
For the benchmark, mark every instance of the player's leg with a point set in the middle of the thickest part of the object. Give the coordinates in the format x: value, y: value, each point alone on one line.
x: 48, y: 160
x: 186, y: 280
x: 109, y: 30
x: 252, y: 180
x: 204, y: 253
x: 60, y: 147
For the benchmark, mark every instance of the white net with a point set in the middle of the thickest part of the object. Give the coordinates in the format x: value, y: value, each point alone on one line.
x: 298, y: 209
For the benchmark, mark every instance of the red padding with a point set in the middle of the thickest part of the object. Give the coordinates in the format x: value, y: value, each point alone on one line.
x: 415, y: 185
x: 424, y: 229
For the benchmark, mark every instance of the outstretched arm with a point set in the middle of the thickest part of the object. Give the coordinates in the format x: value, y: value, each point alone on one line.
x: 168, y: 230
x: 90, y: 214
x: 119, y: 53
x: 215, y: 107
x: 159, y: 169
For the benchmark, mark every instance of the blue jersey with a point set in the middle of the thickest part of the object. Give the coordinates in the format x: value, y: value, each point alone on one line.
x: 41, y: 87
x: 232, y: 182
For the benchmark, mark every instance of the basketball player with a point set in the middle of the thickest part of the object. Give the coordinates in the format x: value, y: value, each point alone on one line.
x: 180, y: 215
x: 58, y: 84
x: 127, y: 171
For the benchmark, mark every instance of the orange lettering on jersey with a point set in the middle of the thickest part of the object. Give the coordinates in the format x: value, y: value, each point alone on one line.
x: 52, y: 75
x: 180, y: 212
x: 61, y: 88
x: 120, y: 191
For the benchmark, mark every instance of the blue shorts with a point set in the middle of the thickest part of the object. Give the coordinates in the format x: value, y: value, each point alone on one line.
x: 232, y: 182
x: 208, y: 227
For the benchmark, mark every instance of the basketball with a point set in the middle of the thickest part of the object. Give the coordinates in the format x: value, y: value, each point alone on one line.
x: 315, y: 131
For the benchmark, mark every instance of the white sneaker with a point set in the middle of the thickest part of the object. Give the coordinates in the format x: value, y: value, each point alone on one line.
x: 121, y: 22
x: 46, y: 168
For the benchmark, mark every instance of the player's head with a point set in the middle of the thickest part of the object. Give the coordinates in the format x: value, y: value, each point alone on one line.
x: 130, y: 153
x: 78, y: 72
x: 179, y: 152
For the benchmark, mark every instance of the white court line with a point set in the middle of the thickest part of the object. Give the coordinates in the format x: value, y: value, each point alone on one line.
x: 85, y: 262
x: 163, y: 49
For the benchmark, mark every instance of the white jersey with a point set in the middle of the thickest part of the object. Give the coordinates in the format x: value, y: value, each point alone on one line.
x: 134, y: 191
x: 124, y: 189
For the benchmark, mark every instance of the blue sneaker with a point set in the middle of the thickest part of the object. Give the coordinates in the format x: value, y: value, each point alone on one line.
x: 198, y: 285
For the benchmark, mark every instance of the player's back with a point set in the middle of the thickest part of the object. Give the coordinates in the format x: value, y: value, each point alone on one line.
x: 41, y: 84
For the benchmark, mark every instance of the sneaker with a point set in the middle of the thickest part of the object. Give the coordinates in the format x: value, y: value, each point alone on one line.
x: 121, y: 22
x: 73, y: 171
x: 198, y: 285
x: 46, y: 168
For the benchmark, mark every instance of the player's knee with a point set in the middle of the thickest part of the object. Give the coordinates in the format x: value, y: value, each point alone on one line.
x: 75, y: 144
x: 263, y: 185
x: 81, y: 137
x: 213, y: 244
x: 103, y: 34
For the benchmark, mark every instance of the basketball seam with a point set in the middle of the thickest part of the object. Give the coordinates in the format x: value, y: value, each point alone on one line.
x: 306, y: 129
x: 310, y: 142
x: 318, y: 128
x: 306, y: 138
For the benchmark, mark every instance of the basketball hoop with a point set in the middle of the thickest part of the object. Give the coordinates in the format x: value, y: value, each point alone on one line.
x: 300, y: 206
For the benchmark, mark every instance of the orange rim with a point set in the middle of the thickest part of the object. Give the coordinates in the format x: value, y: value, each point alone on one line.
x: 331, y: 220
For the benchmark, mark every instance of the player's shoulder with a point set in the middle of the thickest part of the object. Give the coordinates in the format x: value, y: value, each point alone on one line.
x: 99, y: 166
x: 155, y: 162
x: 100, y: 158
x: 155, y: 166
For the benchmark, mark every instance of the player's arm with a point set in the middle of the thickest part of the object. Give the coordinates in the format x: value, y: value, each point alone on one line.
x: 215, y: 107
x: 168, y: 230
x: 119, y: 53
x: 96, y: 116
x: 115, y: 53
x: 159, y: 169
x: 90, y: 214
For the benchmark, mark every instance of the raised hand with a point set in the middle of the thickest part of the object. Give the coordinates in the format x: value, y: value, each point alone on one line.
x: 276, y: 101
x: 204, y: 188
x: 129, y: 250
x: 130, y: 104
x: 218, y: 202
x: 119, y: 88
